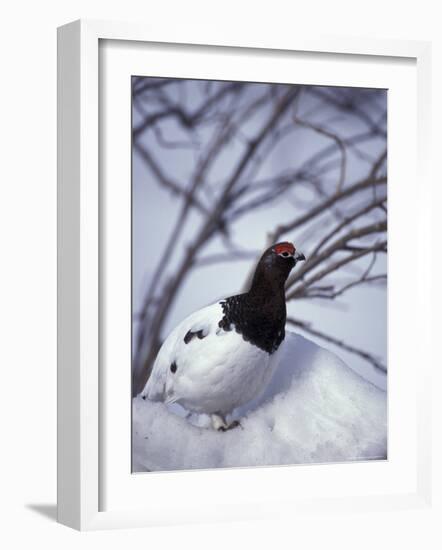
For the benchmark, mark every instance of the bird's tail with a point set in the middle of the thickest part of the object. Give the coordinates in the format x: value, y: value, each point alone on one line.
x: 155, y: 387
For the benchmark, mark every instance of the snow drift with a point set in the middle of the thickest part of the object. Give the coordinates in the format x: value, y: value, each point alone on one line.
x: 315, y: 409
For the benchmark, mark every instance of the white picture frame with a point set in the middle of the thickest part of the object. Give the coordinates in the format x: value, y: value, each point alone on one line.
x: 80, y: 269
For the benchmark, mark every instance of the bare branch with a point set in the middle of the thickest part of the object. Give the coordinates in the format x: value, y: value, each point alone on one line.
x: 186, y: 119
x: 300, y: 290
x: 165, y: 181
x: 338, y: 142
x: 339, y: 245
x: 330, y: 294
x: 347, y: 221
x: 378, y: 164
x: 320, y: 208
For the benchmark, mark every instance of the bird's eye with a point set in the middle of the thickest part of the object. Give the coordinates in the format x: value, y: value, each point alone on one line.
x: 285, y: 254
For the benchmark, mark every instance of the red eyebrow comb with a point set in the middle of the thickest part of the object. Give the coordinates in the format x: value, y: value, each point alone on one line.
x: 284, y: 247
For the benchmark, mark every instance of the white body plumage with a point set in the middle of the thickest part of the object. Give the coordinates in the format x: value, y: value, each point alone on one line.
x: 213, y: 373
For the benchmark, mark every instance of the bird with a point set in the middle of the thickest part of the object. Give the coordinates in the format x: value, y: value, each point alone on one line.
x: 223, y: 356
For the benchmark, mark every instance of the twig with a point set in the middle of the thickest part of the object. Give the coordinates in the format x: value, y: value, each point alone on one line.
x: 338, y: 245
x: 330, y: 294
x: 336, y: 139
x: 320, y: 208
x: 186, y: 119
x: 300, y: 290
x: 165, y: 181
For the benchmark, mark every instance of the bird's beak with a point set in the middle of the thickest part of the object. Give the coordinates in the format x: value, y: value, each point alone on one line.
x: 299, y: 257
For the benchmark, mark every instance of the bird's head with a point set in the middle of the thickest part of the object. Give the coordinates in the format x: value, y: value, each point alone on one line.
x: 283, y: 256
x: 276, y: 263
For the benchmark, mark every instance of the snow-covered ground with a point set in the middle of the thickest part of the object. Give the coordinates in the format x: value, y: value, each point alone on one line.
x: 315, y: 409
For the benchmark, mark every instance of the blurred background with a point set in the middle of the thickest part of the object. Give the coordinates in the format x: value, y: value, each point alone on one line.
x: 222, y: 170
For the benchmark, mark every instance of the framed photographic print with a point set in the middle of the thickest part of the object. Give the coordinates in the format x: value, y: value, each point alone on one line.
x: 237, y: 320
x: 266, y: 163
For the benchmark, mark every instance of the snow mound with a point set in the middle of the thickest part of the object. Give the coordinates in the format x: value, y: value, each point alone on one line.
x: 315, y: 410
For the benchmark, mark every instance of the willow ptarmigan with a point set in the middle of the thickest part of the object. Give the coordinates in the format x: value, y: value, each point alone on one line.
x: 223, y: 355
